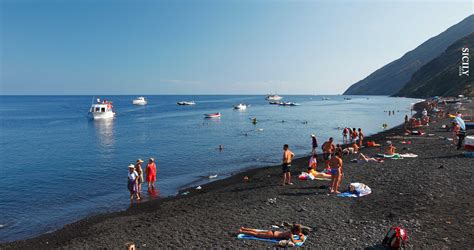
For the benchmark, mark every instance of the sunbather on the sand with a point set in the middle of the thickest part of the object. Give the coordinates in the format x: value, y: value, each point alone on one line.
x: 367, y: 159
x: 317, y: 174
x: 391, y: 150
x: 273, y: 234
x: 353, y: 149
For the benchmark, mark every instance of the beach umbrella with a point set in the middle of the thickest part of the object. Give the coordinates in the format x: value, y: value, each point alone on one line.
x: 461, y: 123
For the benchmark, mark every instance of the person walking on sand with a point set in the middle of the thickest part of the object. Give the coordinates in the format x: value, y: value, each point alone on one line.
x: 361, y: 137
x: 287, y: 159
x: 132, y: 182
x: 151, y: 173
x: 314, y: 143
x: 138, y: 168
x: 336, y: 173
x: 328, y: 148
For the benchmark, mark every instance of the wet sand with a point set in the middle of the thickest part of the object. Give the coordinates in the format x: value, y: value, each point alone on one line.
x: 430, y: 196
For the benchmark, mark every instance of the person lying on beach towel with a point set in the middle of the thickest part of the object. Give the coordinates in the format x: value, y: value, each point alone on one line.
x: 294, y: 235
x: 364, y: 158
x: 353, y: 149
x: 372, y: 144
x: 356, y: 190
x: 314, y: 175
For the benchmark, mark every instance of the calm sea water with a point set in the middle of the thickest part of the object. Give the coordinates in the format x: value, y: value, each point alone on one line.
x: 58, y: 166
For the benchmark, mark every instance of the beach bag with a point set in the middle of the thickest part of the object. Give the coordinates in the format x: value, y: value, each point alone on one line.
x: 396, y: 238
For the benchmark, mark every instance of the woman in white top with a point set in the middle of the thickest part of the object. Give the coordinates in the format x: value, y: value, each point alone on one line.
x: 133, y: 182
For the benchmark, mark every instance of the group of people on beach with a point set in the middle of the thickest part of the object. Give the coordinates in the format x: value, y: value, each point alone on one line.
x: 332, y: 156
x: 352, y: 136
x: 135, y: 178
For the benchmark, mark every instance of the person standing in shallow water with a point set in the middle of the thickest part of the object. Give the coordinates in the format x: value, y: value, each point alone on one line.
x: 132, y: 182
x: 151, y: 173
x: 286, y: 164
x: 138, y: 168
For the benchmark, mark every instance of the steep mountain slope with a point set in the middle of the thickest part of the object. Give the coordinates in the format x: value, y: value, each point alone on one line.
x: 389, y: 79
x: 442, y: 76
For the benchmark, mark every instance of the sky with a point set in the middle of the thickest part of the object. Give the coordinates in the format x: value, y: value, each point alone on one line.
x: 86, y: 47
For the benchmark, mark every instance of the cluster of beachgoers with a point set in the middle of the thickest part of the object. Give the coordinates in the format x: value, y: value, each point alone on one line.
x: 330, y: 203
x: 135, y: 178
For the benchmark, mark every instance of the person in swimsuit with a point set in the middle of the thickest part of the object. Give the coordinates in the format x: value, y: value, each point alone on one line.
x: 391, y: 149
x: 361, y: 137
x: 354, y: 135
x: 286, y: 164
x: 314, y: 143
x: 138, y: 168
x: 336, y: 173
x: 345, y: 134
x: 151, y: 174
x: 456, y: 130
x: 328, y: 148
x: 272, y: 234
x: 132, y: 182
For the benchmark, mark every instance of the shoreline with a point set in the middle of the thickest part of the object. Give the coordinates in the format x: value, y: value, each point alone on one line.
x: 62, y: 237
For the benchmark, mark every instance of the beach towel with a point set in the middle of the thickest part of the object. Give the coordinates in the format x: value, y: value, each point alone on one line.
x: 360, y: 190
x: 394, y: 156
x: 408, y: 155
x: 276, y: 241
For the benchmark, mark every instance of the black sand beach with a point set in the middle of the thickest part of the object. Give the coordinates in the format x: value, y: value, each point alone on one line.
x: 430, y: 196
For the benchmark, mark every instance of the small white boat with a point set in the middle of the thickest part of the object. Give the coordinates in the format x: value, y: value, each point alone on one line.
x: 186, y: 103
x: 139, y: 101
x: 273, y: 98
x: 240, y: 106
x: 102, y: 110
x: 214, y: 115
x: 289, y: 104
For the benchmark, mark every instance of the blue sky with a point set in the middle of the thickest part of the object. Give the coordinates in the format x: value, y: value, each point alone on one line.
x: 208, y: 47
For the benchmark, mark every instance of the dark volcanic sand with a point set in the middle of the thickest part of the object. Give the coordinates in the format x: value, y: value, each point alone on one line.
x: 431, y: 196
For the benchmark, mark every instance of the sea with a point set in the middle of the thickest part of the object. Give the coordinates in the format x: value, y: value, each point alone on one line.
x: 58, y: 165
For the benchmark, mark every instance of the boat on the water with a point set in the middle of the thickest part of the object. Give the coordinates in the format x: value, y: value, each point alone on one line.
x: 102, y: 110
x: 240, y: 106
x: 273, y: 98
x: 289, y: 104
x: 214, y: 115
x: 186, y: 103
x: 139, y: 101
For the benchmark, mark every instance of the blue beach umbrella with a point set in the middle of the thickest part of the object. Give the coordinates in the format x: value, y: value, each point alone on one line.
x: 461, y: 123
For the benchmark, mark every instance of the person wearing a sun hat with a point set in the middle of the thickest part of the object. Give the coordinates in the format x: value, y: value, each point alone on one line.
x: 138, y: 168
x: 132, y: 182
x: 151, y: 173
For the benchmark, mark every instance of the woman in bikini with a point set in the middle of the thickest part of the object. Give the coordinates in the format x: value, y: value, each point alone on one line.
x: 272, y: 234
